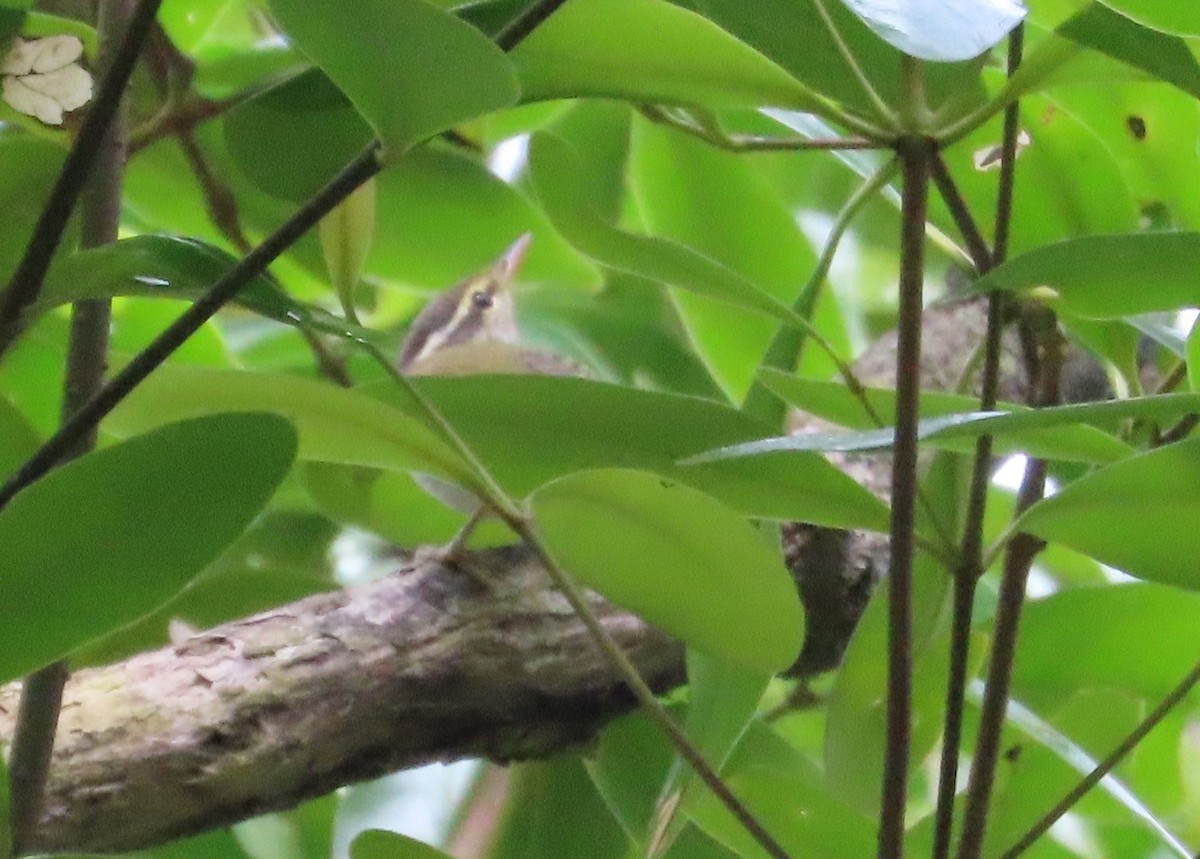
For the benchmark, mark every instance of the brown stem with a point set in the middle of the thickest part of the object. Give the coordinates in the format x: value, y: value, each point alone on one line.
x: 1018, y: 559
x: 970, y: 566
x: 915, y: 154
x: 87, y: 358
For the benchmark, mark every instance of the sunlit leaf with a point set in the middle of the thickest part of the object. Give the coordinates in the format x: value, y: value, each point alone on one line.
x: 1137, y: 515
x: 557, y: 179
x: 649, y: 51
x: 334, y: 424
x: 679, y: 558
x: 1108, y: 276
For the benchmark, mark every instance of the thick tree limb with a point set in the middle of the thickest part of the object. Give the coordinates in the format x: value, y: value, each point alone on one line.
x: 260, y: 714
x: 424, y: 665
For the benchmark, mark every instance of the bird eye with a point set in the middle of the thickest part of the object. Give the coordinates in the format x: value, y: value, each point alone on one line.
x: 482, y: 300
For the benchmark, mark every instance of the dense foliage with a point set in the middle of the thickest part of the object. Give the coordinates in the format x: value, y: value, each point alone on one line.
x: 670, y: 161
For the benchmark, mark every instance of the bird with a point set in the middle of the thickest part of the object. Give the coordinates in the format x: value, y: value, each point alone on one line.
x: 471, y: 329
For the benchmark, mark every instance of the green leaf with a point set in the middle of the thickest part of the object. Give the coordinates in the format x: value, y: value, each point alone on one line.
x: 292, y: 138
x: 817, y: 60
x: 649, y: 51
x: 346, y: 236
x: 722, y: 699
x: 1044, y: 432
x: 679, y: 558
x: 18, y: 439
x: 1120, y: 654
x: 176, y: 267
x: 1105, y: 277
x: 551, y: 808
x: 1182, y: 19
x: 334, y: 424
x: 1166, y: 57
x: 558, y: 180
x: 1138, y: 515
x: 380, y: 844
x: 28, y: 168
x: 528, y: 430
x: 1026, y: 430
x: 108, y: 537
x: 410, y: 69
x: 788, y: 795
x: 718, y: 204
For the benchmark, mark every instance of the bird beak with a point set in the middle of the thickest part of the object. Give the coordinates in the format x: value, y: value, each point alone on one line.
x: 505, y: 268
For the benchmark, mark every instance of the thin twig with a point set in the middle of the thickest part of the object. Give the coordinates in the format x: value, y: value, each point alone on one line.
x: 1107, y: 765
x: 743, y: 143
x: 915, y: 154
x: 1022, y: 548
x: 253, y: 264
x: 26, y: 283
x: 885, y: 112
x: 981, y: 256
x: 970, y: 566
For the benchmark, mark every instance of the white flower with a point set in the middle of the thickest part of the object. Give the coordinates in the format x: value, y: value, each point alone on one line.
x: 42, y: 78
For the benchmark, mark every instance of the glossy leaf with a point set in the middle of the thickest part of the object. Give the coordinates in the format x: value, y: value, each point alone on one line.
x: 380, y: 844
x: 410, y: 69
x: 1108, y: 276
x: 556, y: 173
x: 175, y: 267
x: 940, y: 30
x: 531, y: 429
x: 1137, y: 515
x: 1050, y: 433
x: 679, y: 558
x: 1028, y: 429
x: 113, y: 534
x: 649, y: 51
x: 334, y: 424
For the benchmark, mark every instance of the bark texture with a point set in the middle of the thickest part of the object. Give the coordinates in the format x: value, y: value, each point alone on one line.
x: 424, y: 665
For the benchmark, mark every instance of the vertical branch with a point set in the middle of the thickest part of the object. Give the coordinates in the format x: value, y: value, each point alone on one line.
x: 970, y: 566
x: 87, y: 357
x: 915, y: 154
